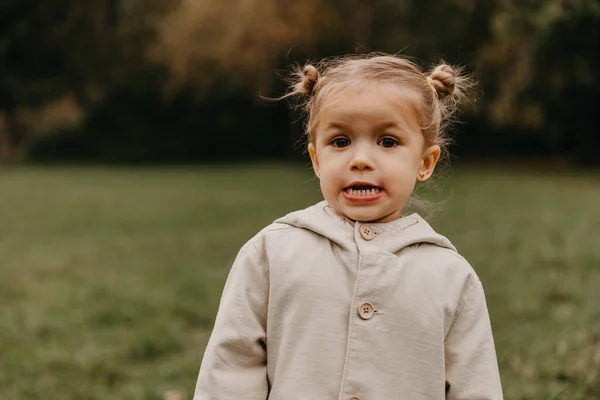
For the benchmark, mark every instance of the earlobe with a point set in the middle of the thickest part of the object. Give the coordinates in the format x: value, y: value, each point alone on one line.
x: 312, y: 151
x: 430, y: 159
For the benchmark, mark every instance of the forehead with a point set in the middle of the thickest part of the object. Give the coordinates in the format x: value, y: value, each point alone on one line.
x: 372, y: 103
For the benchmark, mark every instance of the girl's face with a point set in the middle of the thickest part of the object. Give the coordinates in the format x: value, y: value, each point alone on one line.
x: 368, y: 152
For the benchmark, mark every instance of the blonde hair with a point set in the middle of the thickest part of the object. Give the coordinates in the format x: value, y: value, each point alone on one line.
x: 440, y: 91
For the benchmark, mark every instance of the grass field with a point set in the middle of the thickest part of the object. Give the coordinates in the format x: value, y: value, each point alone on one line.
x: 110, y: 278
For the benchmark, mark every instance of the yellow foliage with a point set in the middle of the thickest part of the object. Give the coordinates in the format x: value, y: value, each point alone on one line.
x: 201, y: 39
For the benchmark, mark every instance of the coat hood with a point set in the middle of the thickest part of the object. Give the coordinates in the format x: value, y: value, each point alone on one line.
x: 391, y: 237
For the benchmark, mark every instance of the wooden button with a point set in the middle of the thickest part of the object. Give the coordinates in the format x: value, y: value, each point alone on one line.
x: 366, y: 310
x: 366, y: 232
x: 353, y: 398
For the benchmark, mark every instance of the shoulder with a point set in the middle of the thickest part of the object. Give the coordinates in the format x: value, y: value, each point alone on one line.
x: 256, y: 251
x: 278, y: 236
x: 288, y: 231
x: 452, y: 279
x: 449, y: 266
x: 296, y: 228
x: 448, y: 257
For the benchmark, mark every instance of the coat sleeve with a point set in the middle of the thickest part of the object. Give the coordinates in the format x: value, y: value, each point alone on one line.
x: 471, y: 364
x: 234, y: 365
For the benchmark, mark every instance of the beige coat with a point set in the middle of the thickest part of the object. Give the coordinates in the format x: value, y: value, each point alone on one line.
x: 318, y: 307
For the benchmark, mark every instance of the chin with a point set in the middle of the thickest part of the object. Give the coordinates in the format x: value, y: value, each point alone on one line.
x: 363, y: 217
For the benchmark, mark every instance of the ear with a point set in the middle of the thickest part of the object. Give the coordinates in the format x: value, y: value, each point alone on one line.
x: 430, y: 159
x: 312, y: 151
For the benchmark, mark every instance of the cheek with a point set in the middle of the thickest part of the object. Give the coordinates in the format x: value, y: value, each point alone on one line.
x: 327, y: 161
x: 329, y: 185
x: 329, y: 173
x: 329, y: 176
x: 412, y: 160
x: 402, y: 170
x: 404, y: 160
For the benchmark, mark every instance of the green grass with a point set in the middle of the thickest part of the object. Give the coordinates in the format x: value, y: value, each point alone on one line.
x: 110, y: 278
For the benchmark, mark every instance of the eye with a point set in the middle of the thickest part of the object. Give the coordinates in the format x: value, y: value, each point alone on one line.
x: 340, y: 142
x: 388, y: 142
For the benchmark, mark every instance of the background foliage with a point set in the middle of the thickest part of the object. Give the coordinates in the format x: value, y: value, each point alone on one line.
x: 162, y: 81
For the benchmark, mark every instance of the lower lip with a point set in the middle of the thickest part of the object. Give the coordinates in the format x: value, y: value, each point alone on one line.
x: 371, y: 197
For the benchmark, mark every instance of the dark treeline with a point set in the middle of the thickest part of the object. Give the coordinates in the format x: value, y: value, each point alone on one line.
x: 129, y: 81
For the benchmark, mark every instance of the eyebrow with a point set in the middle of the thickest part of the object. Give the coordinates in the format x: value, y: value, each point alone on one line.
x: 337, y: 125
x: 343, y: 125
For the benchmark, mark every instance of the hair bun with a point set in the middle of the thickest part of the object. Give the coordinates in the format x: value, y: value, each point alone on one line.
x: 442, y: 79
x: 310, y: 76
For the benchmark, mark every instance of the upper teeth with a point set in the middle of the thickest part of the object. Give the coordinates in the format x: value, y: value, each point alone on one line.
x: 363, y: 192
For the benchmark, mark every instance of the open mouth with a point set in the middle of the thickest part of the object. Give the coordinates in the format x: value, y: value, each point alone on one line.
x: 362, y: 190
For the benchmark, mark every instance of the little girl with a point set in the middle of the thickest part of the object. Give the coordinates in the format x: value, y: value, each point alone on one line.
x: 351, y: 299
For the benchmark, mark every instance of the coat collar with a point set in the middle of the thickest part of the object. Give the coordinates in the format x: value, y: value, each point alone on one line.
x: 390, y: 237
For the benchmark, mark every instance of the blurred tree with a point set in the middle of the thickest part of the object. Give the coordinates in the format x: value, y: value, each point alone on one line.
x: 52, y: 47
x: 566, y: 85
x: 534, y: 62
x: 537, y: 73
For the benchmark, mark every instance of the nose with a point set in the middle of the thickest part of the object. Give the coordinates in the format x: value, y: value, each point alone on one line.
x: 362, y: 159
